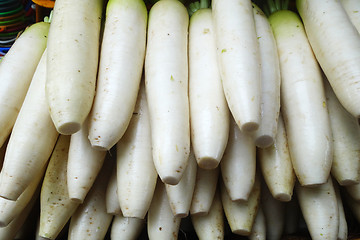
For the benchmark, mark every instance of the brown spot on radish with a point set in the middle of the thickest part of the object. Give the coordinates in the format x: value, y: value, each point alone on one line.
x: 160, y: 228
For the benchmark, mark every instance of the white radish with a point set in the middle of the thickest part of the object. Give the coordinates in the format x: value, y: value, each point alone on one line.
x: 239, y: 60
x: 303, y: 102
x: 56, y: 207
x: 112, y: 199
x: 166, y: 81
x: 238, y: 166
x: 212, y: 224
x: 276, y: 167
x: 241, y: 214
x: 10, y: 209
x: 274, y: 212
x: 84, y: 164
x: 161, y: 222
x: 32, y: 139
x: 346, y: 137
x: 258, y: 231
x: 320, y: 209
x: 208, y: 107
x: 90, y: 220
x: 72, y: 64
x: 123, y: 228
x: 352, y: 8
x: 181, y: 194
x: 327, y: 22
x: 204, y: 191
x: 270, y: 81
x: 136, y: 173
x: 16, y: 70
x: 120, y: 69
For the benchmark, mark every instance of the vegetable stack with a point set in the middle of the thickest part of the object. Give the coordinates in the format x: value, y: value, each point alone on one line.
x: 129, y: 120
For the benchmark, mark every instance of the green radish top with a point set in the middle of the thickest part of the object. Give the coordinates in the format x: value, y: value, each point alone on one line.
x: 285, y: 23
x: 195, y: 6
x: 133, y: 4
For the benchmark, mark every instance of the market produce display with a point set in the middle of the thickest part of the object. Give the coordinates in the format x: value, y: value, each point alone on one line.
x: 169, y: 119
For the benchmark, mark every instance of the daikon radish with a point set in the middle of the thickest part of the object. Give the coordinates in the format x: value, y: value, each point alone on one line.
x: 346, y: 137
x: 10, y: 209
x: 320, y: 209
x: 239, y: 60
x: 241, y: 215
x: 343, y: 226
x: 258, y: 231
x: 136, y: 173
x: 211, y: 225
x: 274, y: 212
x: 112, y: 199
x: 72, y: 64
x: 303, y: 102
x: 161, y: 222
x: 270, y: 80
x: 16, y: 70
x: 9, y: 232
x: 120, y: 69
x: 238, y: 166
x: 328, y: 22
x: 181, y: 194
x: 276, y: 167
x: 166, y: 81
x: 123, y: 228
x: 208, y: 107
x: 204, y: 191
x: 90, y: 220
x: 352, y: 8
x: 32, y: 139
x: 84, y: 164
x: 56, y: 207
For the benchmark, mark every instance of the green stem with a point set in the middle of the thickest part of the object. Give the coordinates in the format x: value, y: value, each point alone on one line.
x: 193, y: 7
x: 48, y: 18
x: 204, y: 3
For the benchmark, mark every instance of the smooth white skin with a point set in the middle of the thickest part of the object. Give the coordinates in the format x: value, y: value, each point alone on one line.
x: 123, y: 228
x: 258, y: 231
x: 211, y: 225
x: 32, y: 139
x: 16, y: 70
x: 327, y: 21
x: 209, y: 112
x: 120, y: 68
x: 238, y: 165
x: 343, y: 226
x: 181, y: 194
x: 204, y: 191
x: 9, y: 209
x: 239, y: 60
x: 346, y: 137
x: 166, y: 81
x: 270, y: 81
x: 241, y: 215
x: 84, y: 164
x: 274, y: 211
x: 352, y: 8
x: 90, y: 221
x: 276, y: 167
x: 319, y: 208
x: 56, y: 207
x: 303, y: 102
x: 13, y: 228
x: 136, y: 173
x: 161, y: 222
x: 73, y: 52
x: 112, y: 199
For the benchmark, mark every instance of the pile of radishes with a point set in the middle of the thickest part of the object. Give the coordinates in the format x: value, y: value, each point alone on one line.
x: 118, y: 118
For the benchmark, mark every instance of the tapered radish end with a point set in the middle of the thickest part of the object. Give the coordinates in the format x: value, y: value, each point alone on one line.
x: 249, y: 127
x: 68, y: 128
x: 77, y: 200
x: 242, y: 232
x: 284, y: 197
x: 171, y: 180
x: 264, y: 141
x: 98, y: 147
x: 4, y: 224
x: 200, y: 213
x: 207, y: 163
x: 181, y: 215
x: 10, y: 191
x: 347, y: 182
